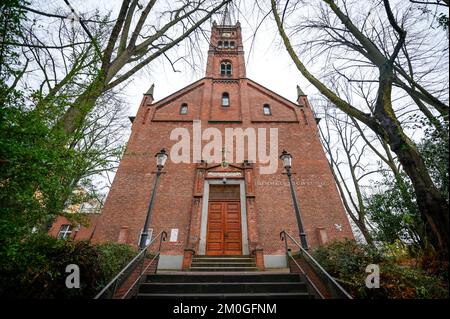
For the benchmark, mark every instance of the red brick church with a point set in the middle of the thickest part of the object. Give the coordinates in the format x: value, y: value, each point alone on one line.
x: 217, y: 200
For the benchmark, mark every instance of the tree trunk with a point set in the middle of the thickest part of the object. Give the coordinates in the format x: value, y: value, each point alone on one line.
x: 367, y: 236
x: 433, y: 207
x: 77, y: 112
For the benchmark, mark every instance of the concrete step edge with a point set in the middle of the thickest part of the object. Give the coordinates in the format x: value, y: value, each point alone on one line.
x: 256, y: 294
x: 221, y: 263
x: 224, y: 283
x: 225, y: 267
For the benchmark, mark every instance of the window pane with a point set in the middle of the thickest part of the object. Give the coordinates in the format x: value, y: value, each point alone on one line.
x: 64, y: 231
x: 225, y: 99
x: 228, y: 72
x: 225, y: 68
x: 266, y: 110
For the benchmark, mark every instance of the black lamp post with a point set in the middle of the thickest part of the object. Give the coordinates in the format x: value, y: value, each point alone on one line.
x: 161, y: 158
x: 287, y: 160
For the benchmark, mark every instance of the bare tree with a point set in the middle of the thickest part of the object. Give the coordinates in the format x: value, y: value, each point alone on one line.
x: 349, y: 171
x: 358, y: 37
x: 103, y: 53
x: 131, y: 46
x: 75, y: 65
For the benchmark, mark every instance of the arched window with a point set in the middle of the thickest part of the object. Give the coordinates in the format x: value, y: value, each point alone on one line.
x: 266, y: 109
x: 225, y: 44
x: 232, y: 44
x: 183, y: 108
x: 220, y: 45
x: 225, y: 68
x: 225, y: 99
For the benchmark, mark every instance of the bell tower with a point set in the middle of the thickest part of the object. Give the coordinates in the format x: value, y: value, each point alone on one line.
x: 226, y: 51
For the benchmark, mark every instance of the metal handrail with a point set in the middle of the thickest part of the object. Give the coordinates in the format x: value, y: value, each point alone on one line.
x: 143, y: 272
x: 312, y: 288
x: 128, y: 269
x: 139, y: 277
x: 336, y: 290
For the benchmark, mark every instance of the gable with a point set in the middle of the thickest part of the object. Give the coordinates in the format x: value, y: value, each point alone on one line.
x: 168, y: 109
x: 282, y: 110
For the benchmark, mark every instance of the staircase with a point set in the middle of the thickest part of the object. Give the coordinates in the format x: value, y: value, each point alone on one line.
x: 223, y: 263
x: 224, y: 277
x: 191, y: 285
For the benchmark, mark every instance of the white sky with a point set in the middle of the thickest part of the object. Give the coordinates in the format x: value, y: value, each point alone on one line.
x: 266, y: 65
x: 268, y: 62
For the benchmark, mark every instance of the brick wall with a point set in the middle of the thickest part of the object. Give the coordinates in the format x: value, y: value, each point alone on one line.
x: 179, y: 200
x: 84, y: 233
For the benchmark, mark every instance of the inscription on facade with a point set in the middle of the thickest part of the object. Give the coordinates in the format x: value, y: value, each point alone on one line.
x: 273, y: 182
x: 224, y: 174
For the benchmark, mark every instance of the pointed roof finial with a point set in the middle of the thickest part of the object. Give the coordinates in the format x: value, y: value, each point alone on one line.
x: 150, y: 90
x: 227, y: 13
x: 300, y: 92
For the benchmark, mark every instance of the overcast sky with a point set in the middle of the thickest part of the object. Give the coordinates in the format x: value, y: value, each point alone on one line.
x: 267, y: 62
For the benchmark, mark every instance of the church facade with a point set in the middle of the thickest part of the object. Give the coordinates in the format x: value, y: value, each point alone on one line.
x: 223, y: 190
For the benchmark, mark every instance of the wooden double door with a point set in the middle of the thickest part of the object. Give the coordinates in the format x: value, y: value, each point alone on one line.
x: 224, y: 233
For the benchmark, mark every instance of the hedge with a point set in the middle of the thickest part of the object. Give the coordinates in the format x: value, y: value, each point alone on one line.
x: 38, y: 267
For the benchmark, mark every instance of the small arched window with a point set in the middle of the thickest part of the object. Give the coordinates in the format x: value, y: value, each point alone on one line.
x: 225, y: 44
x: 232, y: 44
x: 225, y: 68
x: 266, y: 109
x: 225, y: 99
x: 220, y: 44
x: 183, y: 108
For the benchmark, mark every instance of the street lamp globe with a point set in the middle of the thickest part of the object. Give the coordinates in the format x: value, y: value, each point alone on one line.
x: 286, y: 158
x: 161, y: 158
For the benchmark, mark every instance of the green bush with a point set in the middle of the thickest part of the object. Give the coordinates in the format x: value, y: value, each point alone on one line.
x: 38, y: 269
x: 347, y: 261
x: 113, y: 257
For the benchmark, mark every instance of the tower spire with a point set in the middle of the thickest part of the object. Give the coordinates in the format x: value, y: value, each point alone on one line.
x: 228, y: 15
x: 226, y: 52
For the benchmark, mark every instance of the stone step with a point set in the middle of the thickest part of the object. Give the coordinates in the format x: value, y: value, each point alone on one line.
x: 228, y: 268
x: 231, y: 259
x: 262, y: 296
x: 219, y: 284
x: 215, y: 288
x: 223, y: 264
x: 215, y: 277
x: 222, y: 256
